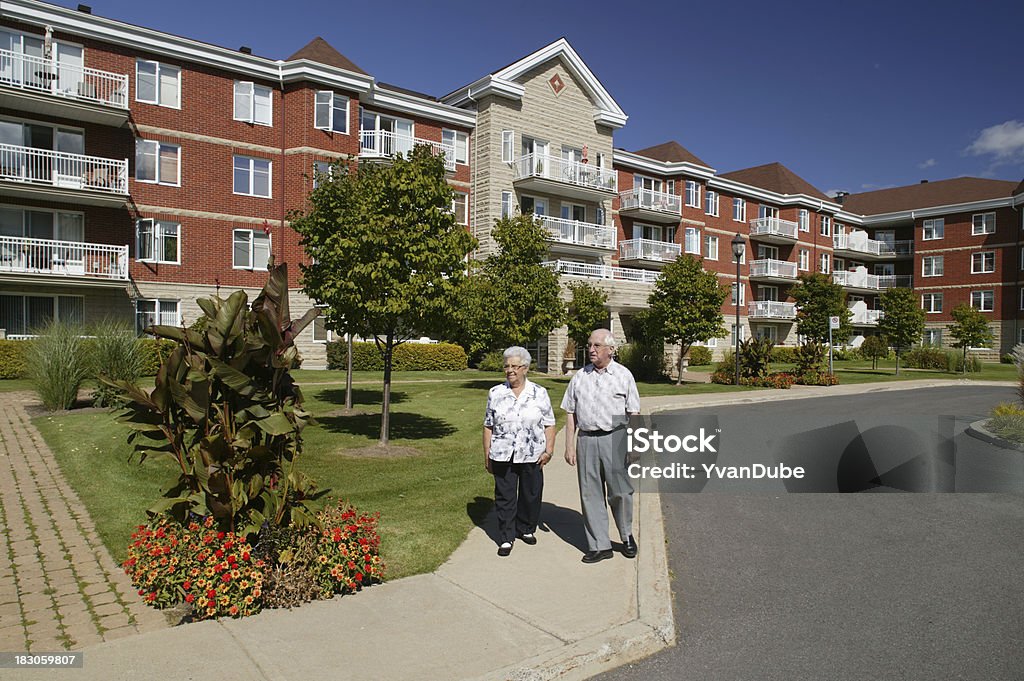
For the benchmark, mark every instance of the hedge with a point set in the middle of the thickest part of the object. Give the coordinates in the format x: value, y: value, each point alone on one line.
x: 408, y: 357
x: 12, y: 358
x: 699, y: 355
x: 154, y: 351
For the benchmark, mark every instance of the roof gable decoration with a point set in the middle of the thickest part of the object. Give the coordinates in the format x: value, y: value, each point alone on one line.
x: 503, y: 83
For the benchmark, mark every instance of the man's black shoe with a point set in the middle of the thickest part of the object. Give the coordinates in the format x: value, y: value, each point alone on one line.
x: 629, y: 547
x: 597, y: 556
x: 529, y: 538
x: 505, y: 549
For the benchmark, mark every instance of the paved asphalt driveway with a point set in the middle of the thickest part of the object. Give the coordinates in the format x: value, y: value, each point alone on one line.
x: 851, y: 586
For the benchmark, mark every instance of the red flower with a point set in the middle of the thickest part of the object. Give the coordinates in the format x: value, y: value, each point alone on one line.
x: 220, y: 535
x: 187, y: 585
x: 245, y: 555
x: 150, y: 597
x: 190, y: 598
x: 219, y: 554
x: 226, y: 577
x: 211, y: 594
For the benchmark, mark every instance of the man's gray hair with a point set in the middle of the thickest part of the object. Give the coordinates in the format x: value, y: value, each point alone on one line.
x: 609, y: 337
x: 520, y: 353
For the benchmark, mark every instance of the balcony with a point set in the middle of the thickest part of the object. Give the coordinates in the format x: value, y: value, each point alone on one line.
x: 573, y: 179
x: 32, y: 260
x: 860, y: 280
x: 857, y: 245
x: 646, y: 204
x: 608, y: 272
x: 773, y: 230
x: 773, y: 270
x: 866, y: 317
x: 49, y: 175
x: 583, y: 235
x: 45, y: 86
x: 383, y: 144
x: 649, y: 251
x: 770, y: 309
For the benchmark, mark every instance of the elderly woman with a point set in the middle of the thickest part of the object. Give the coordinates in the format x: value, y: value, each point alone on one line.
x: 519, y: 436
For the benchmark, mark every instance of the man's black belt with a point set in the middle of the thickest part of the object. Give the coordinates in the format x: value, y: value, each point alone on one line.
x: 594, y: 433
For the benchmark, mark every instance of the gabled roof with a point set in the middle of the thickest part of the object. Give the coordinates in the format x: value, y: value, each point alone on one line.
x: 671, y: 152
x: 928, y: 195
x: 777, y: 178
x: 503, y: 83
x: 322, y: 52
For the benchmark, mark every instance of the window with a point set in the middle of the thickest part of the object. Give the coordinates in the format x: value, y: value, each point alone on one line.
x: 692, y: 194
x: 460, y: 204
x: 983, y: 300
x: 804, y: 262
x: 458, y: 141
x: 983, y: 223
x: 764, y: 211
x: 826, y: 225
x: 984, y: 262
x: 252, y: 176
x: 23, y: 315
x: 157, y: 83
x: 732, y: 293
x: 157, y: 241
x: 151, y: 312
x: 251, y: 249
x: 1022, y: 299
x: 322, y: 170
x: 739, y: 210
x: 530, y: 205
x: 711, y: 247
x: 732, y: 334
x: 507, y: 205
x: 157, y: 162
x: 770, y: 293
x: 692, y: 240
x: 253, y: 103
x: 934, y: 229
x: 804, y: 220
x: 931, y: 302
x: 321, y: 334
x: 932, y: 266
x: 932, y: 337
x: 823, y: 263
x: 330, y: 112
x: 508, y: 141
x: 711, y: 203
x: 766, y: 332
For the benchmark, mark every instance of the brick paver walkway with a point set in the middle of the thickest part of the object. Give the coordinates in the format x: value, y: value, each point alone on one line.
x: 59, y: 587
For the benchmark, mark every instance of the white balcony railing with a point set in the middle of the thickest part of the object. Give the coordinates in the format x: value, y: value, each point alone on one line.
x: 62, y: 169
x: 853, y: 242
x: 63, y: 258
x: 896, y: 248
x: 872, y: 281
x: 773, y: 227
x: 563, y: 170
x: 866, y: 316
x: 63, y: 80
x: 385, y: 144
x: 588, y: 271
x: 773, y: 268
x: 647, y: 199
x: 770, y: 309
x: 579, y: 233
x: 648, y: 249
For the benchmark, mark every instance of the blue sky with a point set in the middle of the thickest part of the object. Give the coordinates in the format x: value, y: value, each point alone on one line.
x: 852, y: 95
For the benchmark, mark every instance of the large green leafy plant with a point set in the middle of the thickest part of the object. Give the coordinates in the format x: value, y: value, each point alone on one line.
x: 226, y: 410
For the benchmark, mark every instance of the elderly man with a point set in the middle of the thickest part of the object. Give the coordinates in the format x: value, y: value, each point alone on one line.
x: 599, y: 401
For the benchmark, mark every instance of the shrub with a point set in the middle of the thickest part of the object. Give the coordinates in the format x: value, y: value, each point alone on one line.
x: 924, y: 358
x: 784, y: 355
x: 700, y: 355
x: 1008, y: 408
x: 1008, y: 426
x: 809, y: 357
x: 955, y: 362
x: 116, y: 355
x: 726, y: 376
x: 874, y: 348
x: 492, y: 361
x: 407, y: 357
x: 152, y: 353
x: 755, y: 357
x: 1008, y: 358
x: 817, y: 378
x: 12, y: 358
x: 645, y: 362
x: 58, y: 363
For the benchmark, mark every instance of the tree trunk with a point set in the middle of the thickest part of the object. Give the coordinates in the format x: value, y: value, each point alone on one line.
x: 348, y: 374
x: 897, y: 361
x: 682, y: 352
x: 385, y: 410
x: 964, y: 368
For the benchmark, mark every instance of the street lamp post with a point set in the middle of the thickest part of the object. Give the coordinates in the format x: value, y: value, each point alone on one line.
x: 737, y: 253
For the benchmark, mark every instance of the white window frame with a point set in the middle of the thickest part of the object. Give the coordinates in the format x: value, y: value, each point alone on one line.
x: 937, y: 265
x: 710, y: 247
x: 732, y: 294
x: 984, y: 227
x: 931, y: 303
x: 983, y: 262
x: 711, y: 202
x: 693, y: 194
x: 322, y: 168
x: 56, y: 298
x: 825, y: 263
x: 825, y: 226
x: 508, y: 205
x: 159, y: 71
x: 161, y: 309
x: 159, y: 148
x: 158, y: 232
x: 508, y: 146
x: 252, y: 175
x: 258, y: 99
x: 459, y: 141
x: 988, y: 295
x: 328, y: 334
x: 692, y: 241
x: 933, y: 230
x: 804, y: 220
x: 327, y: 113
x: 252, y: 234
x: 739, y: 210
x: 464, y: 197
x: 932, y: 337
x: 804, y: 260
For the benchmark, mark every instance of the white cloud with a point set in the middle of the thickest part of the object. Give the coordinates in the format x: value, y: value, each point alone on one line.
x: 930, y: 163
x: 1005, y: 141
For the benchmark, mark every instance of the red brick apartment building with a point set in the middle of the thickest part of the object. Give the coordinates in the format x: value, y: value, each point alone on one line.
x: 140, y: 170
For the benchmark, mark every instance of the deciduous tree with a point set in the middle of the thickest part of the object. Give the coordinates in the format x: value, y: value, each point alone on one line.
x: 903, y: 321
x: 970, y: 329
x: 818, y: 298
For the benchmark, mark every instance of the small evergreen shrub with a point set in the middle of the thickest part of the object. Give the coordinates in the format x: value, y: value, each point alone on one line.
x: 784, y: 355
x: 700, y: 355
x: 924, y: 358
x: 407, y: 357
x: 492, y: 361
x: 12, y: 358
x: 58, y: 363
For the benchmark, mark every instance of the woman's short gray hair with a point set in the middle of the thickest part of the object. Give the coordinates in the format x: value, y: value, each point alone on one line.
x: 520, y: 353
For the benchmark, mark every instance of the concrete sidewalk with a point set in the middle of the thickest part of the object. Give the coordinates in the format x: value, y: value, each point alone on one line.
x: 538, y: 614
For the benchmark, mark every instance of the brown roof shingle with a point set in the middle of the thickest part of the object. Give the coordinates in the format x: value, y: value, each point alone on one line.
x: 321, y: 51
x: 928, y: 195
x: 671, y: 152
x: 775, y: 177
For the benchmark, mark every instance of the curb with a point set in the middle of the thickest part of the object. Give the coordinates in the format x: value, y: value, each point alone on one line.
x: 978, y: 431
